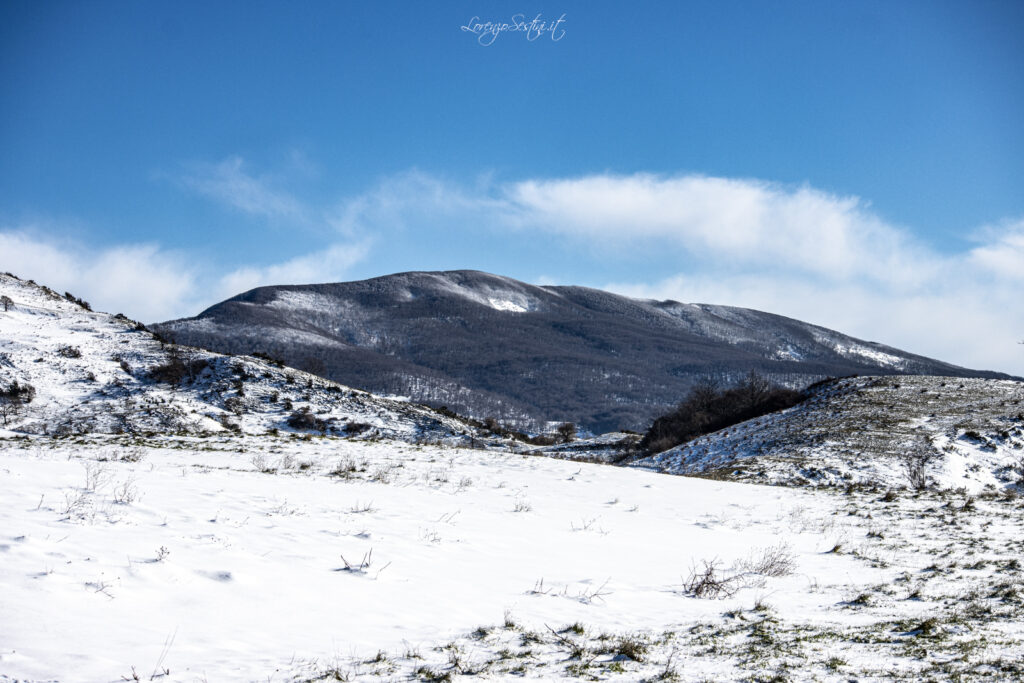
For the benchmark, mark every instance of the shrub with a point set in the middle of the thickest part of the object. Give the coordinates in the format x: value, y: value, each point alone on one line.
x: 22, y: 393
x: 915, y: 462
x: 227, y: 423
x: 711, y: 581
x: 566, y: 432
x: 67, y: 351
x: 303, y: 418
x: 354, y: 428
x: 707, y: 408
x: 178, y: 368
x: 235, y: 405
x: 74, y: 299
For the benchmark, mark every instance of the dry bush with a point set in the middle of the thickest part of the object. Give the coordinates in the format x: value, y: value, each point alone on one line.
x: 712, y: 581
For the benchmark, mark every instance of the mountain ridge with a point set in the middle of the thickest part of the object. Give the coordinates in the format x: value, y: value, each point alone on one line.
x: 488, y: 345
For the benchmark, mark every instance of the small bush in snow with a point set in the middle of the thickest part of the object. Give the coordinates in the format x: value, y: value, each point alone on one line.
x: 711, y: 581
x: 74, y: 299
x: 260, y: 463
x: 915, y: 463
x: 67, y: 351
x: 178, y: 368
x: 347, y: 467
x: 234, y: 404
x: 304, y: 419
x: 126, y: 493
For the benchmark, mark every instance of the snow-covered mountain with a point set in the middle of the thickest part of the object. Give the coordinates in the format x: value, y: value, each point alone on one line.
x: 492, y: 346
x: 65, y: 369
x: 884, y: 431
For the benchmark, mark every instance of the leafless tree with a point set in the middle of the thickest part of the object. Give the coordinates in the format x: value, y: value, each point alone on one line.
x: 566, y: 432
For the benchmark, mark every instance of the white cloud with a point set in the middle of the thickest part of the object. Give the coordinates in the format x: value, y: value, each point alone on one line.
x: 1003, y: 252
x: 329, y: 265
x: 229, y: 182
x: 151, y: 284
x: 414, y: 199
x: 747, y: 222
x: 139, y: 280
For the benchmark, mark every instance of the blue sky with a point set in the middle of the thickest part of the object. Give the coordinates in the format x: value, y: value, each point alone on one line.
x: 855, y: 164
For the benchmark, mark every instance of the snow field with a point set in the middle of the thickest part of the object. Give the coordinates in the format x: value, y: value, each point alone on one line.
x: 244, y: 559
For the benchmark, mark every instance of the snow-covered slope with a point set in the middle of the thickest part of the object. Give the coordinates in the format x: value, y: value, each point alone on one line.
x: 873, y: 430
x: 256, y: 558
x: 95, y: 372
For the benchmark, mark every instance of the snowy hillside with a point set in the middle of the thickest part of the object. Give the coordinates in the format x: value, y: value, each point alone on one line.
x: 886, y: 431
x: 94, y: 372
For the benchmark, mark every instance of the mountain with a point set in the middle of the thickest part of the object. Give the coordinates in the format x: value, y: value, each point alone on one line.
x: 487, y: 345
x: 66, y: 370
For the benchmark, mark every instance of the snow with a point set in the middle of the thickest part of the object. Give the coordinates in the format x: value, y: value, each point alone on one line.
x: 505, y: 305
x: 510, y: 298
x: 209, y: 555
x: 241, y: 572
x: 289, y: 300
x: 880, y: 357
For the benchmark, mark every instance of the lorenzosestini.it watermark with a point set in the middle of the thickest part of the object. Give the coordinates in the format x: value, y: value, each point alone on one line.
x: 487, y: 32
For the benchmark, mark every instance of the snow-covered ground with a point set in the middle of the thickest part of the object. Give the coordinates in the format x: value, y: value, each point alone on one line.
x: 183, y: 530
x: 242, y: 558
x: 861, y: 430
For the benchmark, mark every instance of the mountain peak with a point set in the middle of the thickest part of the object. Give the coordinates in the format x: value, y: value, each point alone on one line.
x: 490, y: 345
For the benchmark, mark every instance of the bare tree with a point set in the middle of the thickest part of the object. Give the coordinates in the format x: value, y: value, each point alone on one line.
x: 13, y: 398
x: 8, y: 409
x: 566, y: 432
x: 6, y: 302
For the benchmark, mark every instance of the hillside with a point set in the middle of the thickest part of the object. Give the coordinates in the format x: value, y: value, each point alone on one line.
x: 163, y: 520
x: 486, y: 345
x: 883, y: 431
x: 91, y: 372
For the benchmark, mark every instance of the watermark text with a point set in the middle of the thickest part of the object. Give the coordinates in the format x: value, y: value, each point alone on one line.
x: 487, y: 32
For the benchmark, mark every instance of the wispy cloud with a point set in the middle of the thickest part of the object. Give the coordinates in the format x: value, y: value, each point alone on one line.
x: 414, y: 199
x: 230, y: 182
x: 327, y: 265
x: 150, y: 283
x: 1002, y: 251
